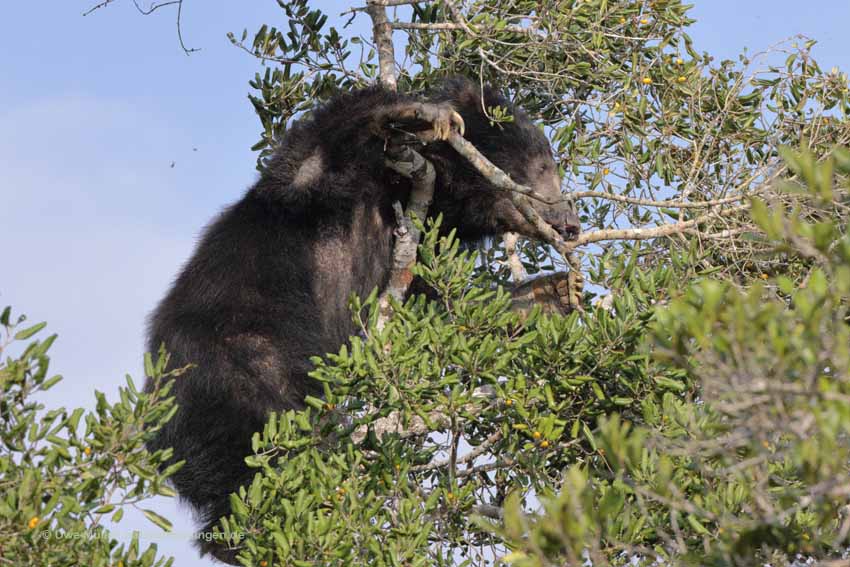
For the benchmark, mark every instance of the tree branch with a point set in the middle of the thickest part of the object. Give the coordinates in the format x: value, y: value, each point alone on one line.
x: 411, y: 164
x: 452, y: 26
x: 103, y: 4
x: 382, y: 33
x: 654, y: 232
x: 518, y: 272
x: 518, y: 193
x: 488, y: 511
x: 653, y: 203
x: 468, y: 457
x: 153, y: 8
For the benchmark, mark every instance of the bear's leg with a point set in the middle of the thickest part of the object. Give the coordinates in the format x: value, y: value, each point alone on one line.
x: 554, y: 293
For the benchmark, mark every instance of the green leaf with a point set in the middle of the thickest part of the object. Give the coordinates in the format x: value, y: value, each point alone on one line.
x: 27, y: 333
x: 157, y: 519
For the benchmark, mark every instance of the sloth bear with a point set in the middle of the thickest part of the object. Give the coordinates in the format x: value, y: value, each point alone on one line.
x: 269, y: 282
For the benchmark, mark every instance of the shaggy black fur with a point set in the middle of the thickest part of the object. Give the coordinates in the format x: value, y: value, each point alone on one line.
x: 269, y: 282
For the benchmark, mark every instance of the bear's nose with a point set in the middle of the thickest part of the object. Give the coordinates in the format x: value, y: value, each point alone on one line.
x: 565, y: 221
x: 570, y: 227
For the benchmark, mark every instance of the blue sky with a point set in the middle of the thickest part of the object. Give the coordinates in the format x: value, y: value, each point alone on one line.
x: 93, y: 112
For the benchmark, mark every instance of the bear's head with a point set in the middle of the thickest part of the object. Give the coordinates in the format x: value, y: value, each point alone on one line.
x: 466, y: 199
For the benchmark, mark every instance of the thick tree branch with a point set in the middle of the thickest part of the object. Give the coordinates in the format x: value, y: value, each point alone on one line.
x: 382, y: 33
x: 405, y: 161
x: 518, y: 272
x: 421, y: 173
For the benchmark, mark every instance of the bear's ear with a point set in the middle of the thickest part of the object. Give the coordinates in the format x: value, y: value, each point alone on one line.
x: 460, y: 90
x: 494, y: 97
x: 466, y: 94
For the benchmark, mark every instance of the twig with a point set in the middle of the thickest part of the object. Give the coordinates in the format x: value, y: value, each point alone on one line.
x: 468, y: 457
x: 180, y: 30
x: 488, y: 511
x: 384, y: 3
x: 654, y: 203
x: 154, y: 7
x: 487, y: 467
x: 391, y: 3
x: 451, y: 26
x: 146, y: 12
x: 98, y: 7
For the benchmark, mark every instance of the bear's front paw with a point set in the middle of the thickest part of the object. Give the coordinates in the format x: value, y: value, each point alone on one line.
x: 443, y: 118
x: 554, y: 293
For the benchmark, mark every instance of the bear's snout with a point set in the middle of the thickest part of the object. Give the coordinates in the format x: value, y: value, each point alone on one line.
x: 564, y: 220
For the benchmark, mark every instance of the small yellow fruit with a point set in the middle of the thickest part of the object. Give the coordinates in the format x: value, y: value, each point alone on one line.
x: 681, y: 78
x: 87, y: 451
x: 544, y: 444
x: 763, y: 276
x: 622, y: 20
x: 679, y: 61
x: 644, y: 21
x: 647, y: 81
x: 537, y: 435
x: 450, y: 495
x: 264, y: 563
x: 509, y: 402
x: 33, y: 522
x: 606, y: 171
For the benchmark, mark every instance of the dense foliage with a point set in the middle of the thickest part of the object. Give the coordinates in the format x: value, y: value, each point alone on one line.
x: 701, y: 424
x: 65, y: 474
x: 756, y: 468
